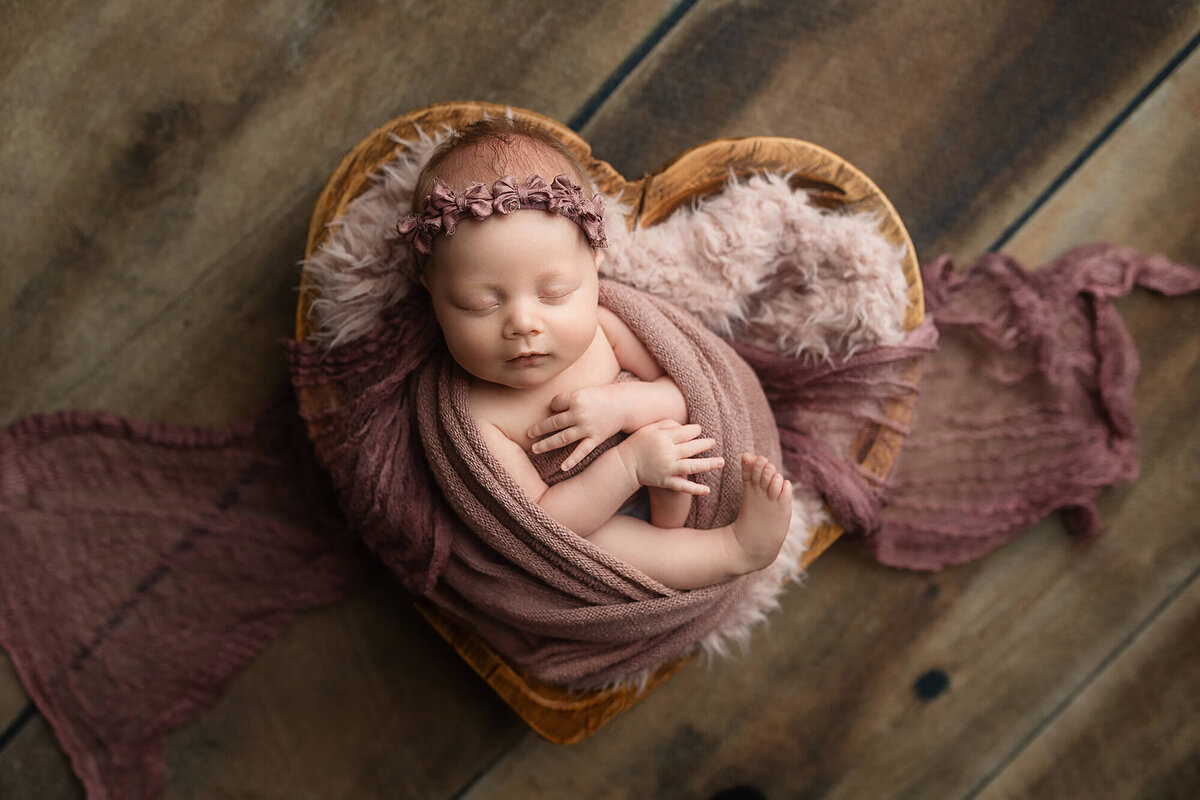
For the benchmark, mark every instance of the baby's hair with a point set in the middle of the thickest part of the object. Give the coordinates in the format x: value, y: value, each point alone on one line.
x: 489, y: 149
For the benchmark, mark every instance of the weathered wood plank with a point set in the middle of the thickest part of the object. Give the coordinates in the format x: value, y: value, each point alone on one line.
x: 1140, y: 188
x: 875, y: 682
x: 158, y: 165
x: 37, y: 769
x: 364, y: 701
x: 12, y: 696
x: 1149, y: 709
x: 959, y: 112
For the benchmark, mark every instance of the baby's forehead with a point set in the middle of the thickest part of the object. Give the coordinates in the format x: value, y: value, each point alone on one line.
x: 488, y: 161
x: 530, y: 242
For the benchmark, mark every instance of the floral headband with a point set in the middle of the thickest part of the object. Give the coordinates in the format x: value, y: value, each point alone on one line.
x: 442, y: 209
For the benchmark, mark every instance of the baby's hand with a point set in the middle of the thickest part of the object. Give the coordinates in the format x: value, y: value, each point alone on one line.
x: 588, y: 416
x: 661, y: 455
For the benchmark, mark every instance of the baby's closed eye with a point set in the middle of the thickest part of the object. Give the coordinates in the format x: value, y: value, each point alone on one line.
x: 559, y: 297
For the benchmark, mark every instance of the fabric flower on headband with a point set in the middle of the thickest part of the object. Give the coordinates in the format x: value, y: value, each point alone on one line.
x: 443, y: 208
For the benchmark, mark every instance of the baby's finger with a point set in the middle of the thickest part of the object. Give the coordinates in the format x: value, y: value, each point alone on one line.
x: 587, y: 445
x: 560, y: 439
x: 550, y: 424
x: 688, y: 449
x: 686, y: 486
x: 684, y: 433
x: 690, y: 466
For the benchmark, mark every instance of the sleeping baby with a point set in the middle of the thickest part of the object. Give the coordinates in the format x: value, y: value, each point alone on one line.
x: 516, y: 295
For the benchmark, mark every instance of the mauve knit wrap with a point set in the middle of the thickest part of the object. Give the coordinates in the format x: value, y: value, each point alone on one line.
x: 547, y: 600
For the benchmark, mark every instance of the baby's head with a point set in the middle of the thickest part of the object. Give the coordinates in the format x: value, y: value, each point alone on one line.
x: 508, y: 239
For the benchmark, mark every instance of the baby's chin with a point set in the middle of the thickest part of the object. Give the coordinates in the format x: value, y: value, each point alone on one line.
x: 520, y: 377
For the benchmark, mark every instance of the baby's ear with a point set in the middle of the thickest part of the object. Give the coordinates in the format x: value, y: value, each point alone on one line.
x: 598, y: 255
x: 425, y: 280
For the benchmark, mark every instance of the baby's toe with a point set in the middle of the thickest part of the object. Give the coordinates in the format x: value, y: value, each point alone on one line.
x: 760, y: 464
x: 768, y: 473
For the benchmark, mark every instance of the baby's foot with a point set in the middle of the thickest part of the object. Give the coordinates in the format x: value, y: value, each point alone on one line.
x: 762, y: 522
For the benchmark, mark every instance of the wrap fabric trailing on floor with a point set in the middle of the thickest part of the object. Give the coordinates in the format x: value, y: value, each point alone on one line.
x: 142, y: 566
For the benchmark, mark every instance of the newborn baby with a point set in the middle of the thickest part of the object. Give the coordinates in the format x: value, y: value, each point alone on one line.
x: 515, y: 295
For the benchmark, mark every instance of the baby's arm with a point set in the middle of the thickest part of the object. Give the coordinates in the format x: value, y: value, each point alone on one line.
x: 657, y: 455
x: 656, y: 397
x: 582, y: 503
x: 591, y: 415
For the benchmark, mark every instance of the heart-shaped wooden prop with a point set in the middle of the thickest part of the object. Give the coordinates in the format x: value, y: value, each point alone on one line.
x: 560, y: 715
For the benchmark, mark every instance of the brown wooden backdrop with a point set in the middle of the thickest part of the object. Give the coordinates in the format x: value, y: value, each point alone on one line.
x: 158, y: 162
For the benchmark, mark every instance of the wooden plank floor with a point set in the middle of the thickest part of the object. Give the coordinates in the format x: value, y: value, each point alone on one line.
x: 157, y: 167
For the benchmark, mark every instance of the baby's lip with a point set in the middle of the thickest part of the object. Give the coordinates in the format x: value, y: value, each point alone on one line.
x: 526, y: 354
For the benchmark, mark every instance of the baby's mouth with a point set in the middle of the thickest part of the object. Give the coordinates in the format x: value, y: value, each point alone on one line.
x: 526, y: 359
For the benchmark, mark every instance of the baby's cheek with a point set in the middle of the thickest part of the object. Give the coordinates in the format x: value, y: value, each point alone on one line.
x: 467, y: 344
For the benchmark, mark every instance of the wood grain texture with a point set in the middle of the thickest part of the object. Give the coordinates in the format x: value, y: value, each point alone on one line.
x: 959, y: 111
x: 363, y: 700
x: 13, y: 698
x: 876, y: 682
x: 158, y: 165
x: 1144, y: 705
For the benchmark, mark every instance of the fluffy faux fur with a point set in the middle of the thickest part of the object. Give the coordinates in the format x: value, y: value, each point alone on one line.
x: 757, y: 261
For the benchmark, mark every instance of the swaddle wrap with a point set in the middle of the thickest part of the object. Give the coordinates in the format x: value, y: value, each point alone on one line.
x: 546, y: 599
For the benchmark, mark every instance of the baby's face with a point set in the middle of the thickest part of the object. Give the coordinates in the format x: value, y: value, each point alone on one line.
x: 515, y: 296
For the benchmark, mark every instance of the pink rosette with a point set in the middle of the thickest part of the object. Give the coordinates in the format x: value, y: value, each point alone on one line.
x: 591, y: 219
x: 509, y: 194
x: 565, y: 195
x: 450, y: 207
x: 419, y: 229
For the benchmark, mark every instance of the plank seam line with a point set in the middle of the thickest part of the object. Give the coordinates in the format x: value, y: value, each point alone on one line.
x: 1084, y: 685
x: 27, y: 713
x: 636, y: 56
x: 478, y: 776
x: 1096, y: 143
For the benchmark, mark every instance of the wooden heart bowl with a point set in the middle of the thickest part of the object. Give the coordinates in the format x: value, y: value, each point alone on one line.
x: 557, y: 714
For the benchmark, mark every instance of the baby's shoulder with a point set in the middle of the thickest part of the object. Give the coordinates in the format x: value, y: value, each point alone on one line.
x: 486, y: 405
x: 611, y: 325
x: 504, y: 412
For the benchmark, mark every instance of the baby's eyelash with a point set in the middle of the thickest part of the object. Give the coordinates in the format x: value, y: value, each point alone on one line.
x: 553, y: 297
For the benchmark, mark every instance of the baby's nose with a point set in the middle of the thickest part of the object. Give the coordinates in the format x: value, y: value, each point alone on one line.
x: 523, y: 321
